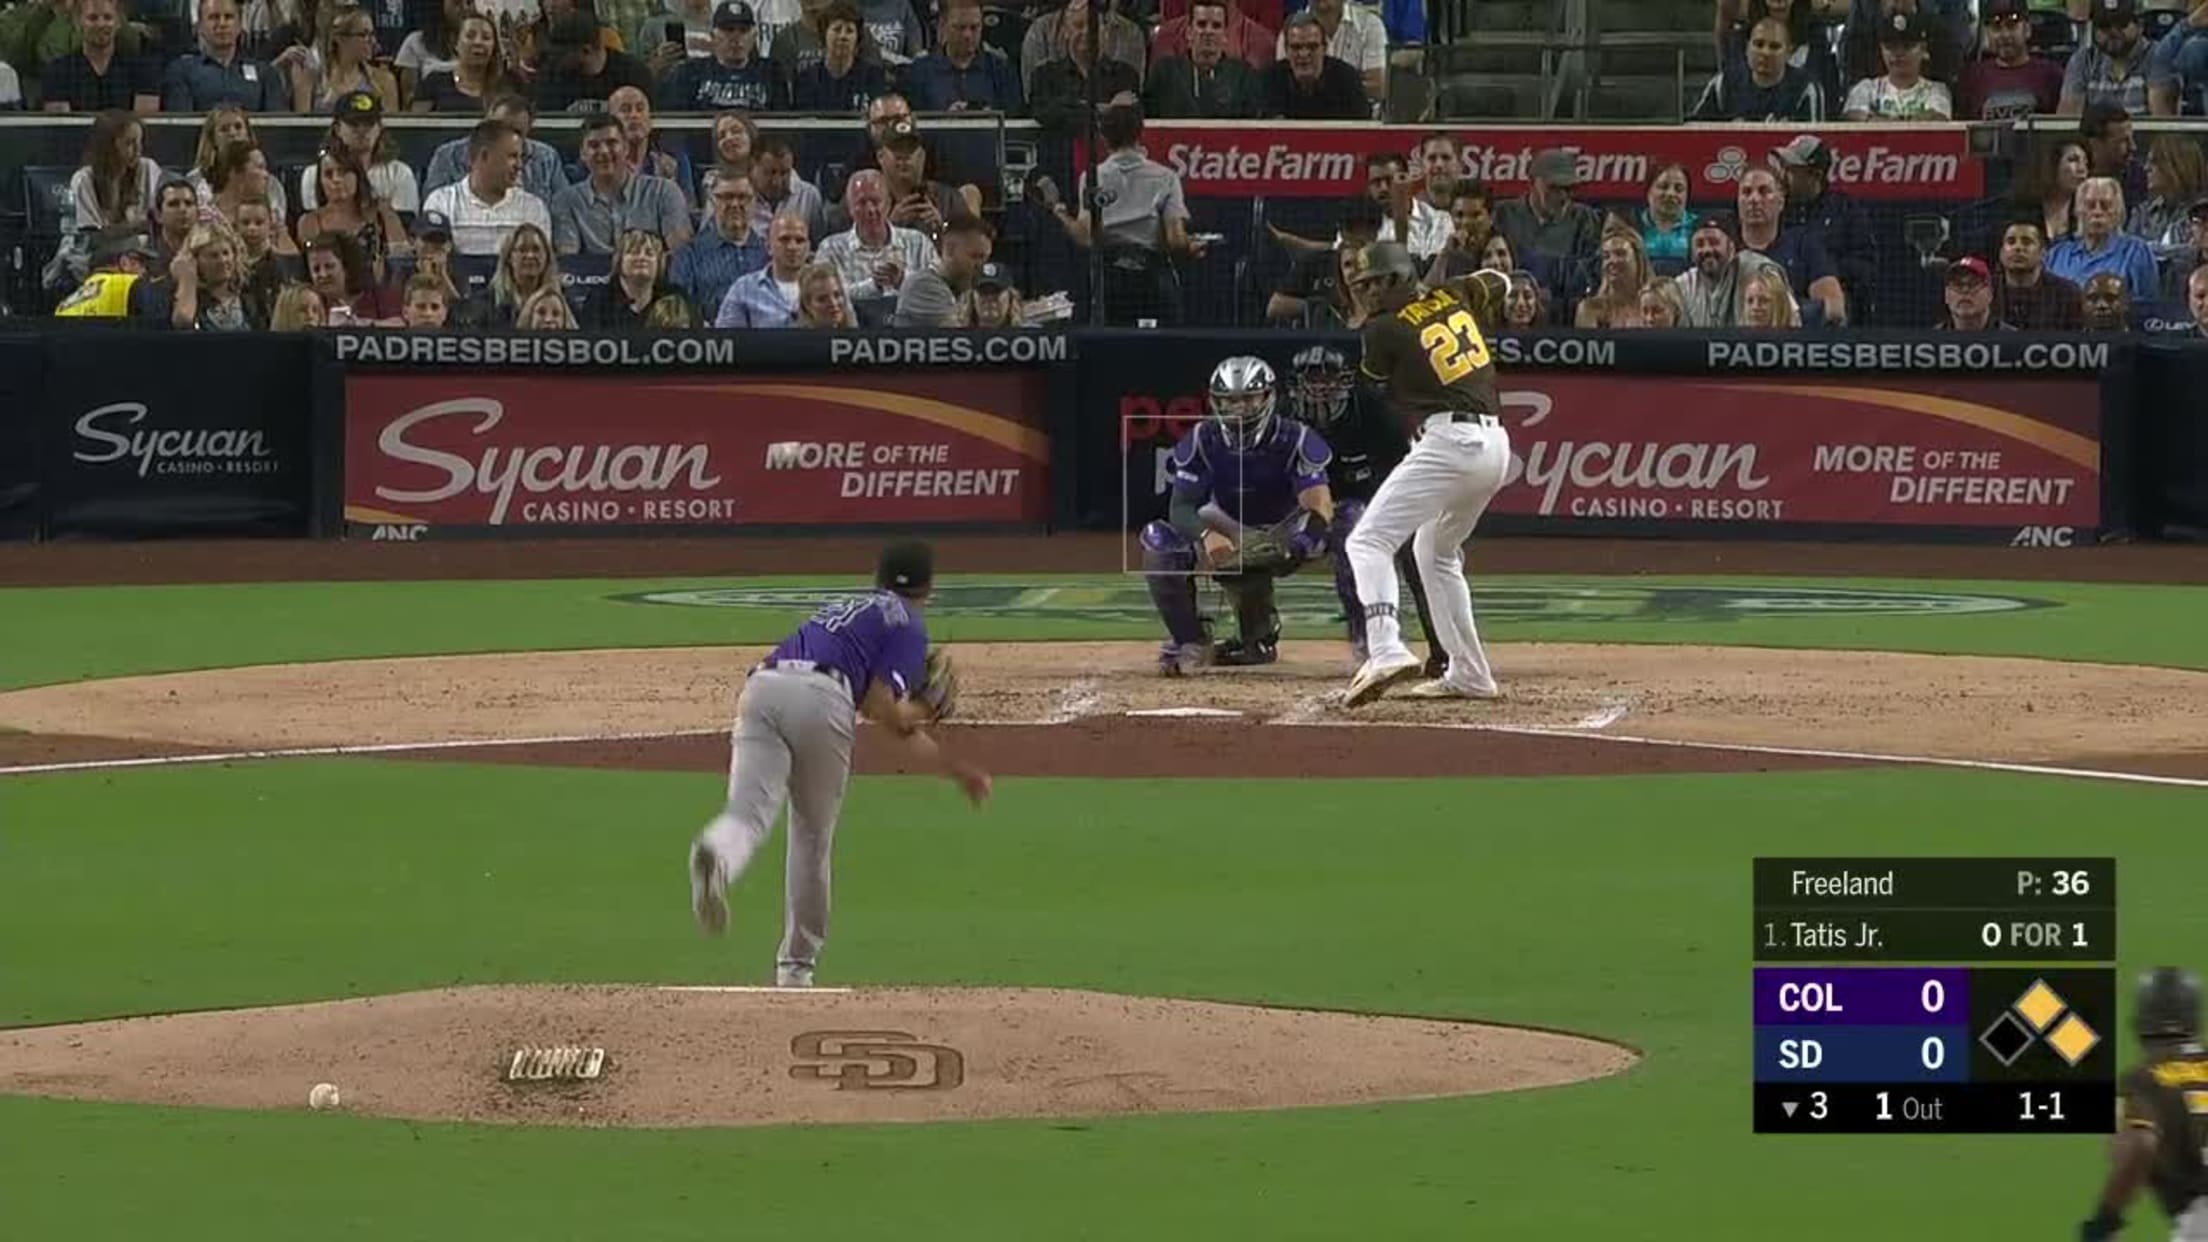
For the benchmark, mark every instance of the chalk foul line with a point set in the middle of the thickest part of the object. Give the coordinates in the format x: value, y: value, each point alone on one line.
x: 1287, y: 721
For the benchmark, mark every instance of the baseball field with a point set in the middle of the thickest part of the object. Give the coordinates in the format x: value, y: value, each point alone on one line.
x: 1220, y: 960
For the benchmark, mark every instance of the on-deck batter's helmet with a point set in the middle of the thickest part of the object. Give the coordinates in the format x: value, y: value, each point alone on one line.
x: 1242, y: 394
x: 2168, y: 1004
x: 906, y: 567
x: 1384, y: 275
x: 1319, y: 385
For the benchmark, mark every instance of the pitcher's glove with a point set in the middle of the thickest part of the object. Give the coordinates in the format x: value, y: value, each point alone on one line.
x: 939, y: 692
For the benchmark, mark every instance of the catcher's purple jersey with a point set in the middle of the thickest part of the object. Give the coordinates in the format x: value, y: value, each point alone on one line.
x: 879, y: 635
x: 1258, y: 486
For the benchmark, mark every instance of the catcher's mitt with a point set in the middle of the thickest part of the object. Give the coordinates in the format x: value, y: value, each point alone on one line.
x: 940, y: 690
x: 1298, y: 537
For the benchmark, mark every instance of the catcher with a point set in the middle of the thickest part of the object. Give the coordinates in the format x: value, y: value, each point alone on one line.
x: 1250, y: 505
x: 795, y: 723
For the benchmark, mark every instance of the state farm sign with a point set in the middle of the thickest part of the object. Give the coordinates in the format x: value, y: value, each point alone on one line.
x: 1904, y: 162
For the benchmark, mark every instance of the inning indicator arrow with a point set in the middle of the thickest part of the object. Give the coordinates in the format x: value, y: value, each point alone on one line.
x: 1790, y: 1106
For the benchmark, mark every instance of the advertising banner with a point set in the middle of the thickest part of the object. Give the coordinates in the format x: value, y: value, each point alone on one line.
x: 1913, y: 163
x: 22, y: 365
x: 198, y: 435
x: 431, y: 453
x: 2013, y: 458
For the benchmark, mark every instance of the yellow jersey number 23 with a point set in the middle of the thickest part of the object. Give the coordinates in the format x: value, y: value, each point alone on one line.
x: 1454, y: 346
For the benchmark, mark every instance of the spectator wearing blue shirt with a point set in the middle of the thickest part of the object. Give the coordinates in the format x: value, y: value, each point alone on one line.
x: 218, y: 71
x: 2101, y: 247
x: 734, y: 76
x: 767, y: 298
x: 2177, y: 68
x: 1808, y: 267
x: 961, y: 74
x: 726, y: 249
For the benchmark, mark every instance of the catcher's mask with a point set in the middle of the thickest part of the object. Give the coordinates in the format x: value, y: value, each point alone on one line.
x: 1384, y: 277
x: 1242, y: 393
x: 2168, y: 1004
x: 1319, y: 385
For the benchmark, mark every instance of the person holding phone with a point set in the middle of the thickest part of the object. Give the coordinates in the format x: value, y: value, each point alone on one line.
x: 733, y: 75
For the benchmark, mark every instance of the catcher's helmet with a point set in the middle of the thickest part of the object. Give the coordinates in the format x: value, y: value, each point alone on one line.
x: 1319, y: 385
x: 1242, y: 395
x: 2168, y: 1004
x: 1384, y: 275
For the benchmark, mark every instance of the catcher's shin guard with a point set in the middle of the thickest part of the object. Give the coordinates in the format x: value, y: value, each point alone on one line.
x: 1169, y: 570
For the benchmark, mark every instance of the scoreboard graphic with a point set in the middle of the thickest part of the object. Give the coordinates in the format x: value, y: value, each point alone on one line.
x: 1935, y: 995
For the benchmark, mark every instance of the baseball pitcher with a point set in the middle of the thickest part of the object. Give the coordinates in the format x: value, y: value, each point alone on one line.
x: 795, y: 723
x: 1250, y: 505
x: 1430, y: 349
x: 2161, y: 1138
x: 1322, y: 394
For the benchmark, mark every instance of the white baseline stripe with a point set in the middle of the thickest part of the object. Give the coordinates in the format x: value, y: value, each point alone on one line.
x: 1808, y: 752
x: 1805, y: 752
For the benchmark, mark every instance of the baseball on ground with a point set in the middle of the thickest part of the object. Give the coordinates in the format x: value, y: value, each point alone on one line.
x: 323, y: 1096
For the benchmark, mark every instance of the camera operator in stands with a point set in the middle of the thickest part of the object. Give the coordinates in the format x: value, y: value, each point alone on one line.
x: 1143, y: 223
x: 2112, y: 69
x: 1762, y: 86
x: 2031, y: 297
x: 1832, y: 217
x: 1709, y: 291
x: 2101, y: 245
x: 1314, y: 295
x: 1204, y: 80
x: 1809, y: 270
x: 2007, y: 82
x: 1970, y: 300
x: 1306, y: 84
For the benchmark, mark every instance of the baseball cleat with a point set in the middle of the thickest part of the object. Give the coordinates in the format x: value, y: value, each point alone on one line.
x: 1379, y: 673
x: 708, y: 889
x: 1443, y: 688
x: 1234, y: 653
x: 1180, y: 661
x: 793, y: 977
x: 1437, y: 664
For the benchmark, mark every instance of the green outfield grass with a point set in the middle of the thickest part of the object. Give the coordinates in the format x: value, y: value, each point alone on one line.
x: 1615, y: 906
x: 61, y: 634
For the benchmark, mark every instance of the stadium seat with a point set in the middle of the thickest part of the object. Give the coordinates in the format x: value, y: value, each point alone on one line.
x: 47, y: 212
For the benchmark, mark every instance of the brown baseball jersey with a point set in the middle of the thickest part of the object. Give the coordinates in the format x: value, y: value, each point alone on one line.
x: 1433, y: 357
x: 2170, y: 1098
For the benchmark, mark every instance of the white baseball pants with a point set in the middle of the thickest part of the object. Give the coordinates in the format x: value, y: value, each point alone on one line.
x: 1434, y: 497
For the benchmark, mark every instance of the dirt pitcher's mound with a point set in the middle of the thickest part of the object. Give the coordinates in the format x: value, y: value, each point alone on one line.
x: 749, y: 1056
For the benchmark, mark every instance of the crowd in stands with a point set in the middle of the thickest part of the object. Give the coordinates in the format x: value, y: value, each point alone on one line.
x: 2098, y: 236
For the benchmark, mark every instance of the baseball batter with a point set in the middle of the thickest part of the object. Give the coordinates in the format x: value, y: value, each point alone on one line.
x: 1429, y: 349
x: 2162, y: 1136
x: 1250, y: 505
x: 795, y: 723
x: 1322, y: 394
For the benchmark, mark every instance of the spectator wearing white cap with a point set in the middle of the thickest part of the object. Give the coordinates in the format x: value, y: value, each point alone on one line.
x: 2007, y: 81
x: 736, y: 75
x: 2112, y: 68
x: 1904, y: 92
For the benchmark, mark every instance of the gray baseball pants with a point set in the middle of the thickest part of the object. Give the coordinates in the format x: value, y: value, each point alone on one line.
x: 792, y: 741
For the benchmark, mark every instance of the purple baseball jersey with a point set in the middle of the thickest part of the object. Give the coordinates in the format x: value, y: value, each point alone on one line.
x: 876, y: 636
x: 1258, y: 486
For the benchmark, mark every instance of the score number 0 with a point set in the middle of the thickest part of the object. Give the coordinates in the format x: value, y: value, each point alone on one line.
x: 1932, y: 1053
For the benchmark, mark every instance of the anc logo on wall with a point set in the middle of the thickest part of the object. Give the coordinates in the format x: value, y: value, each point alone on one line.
x: 1311, y: 601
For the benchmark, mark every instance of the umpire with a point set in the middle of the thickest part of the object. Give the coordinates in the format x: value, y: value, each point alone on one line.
x: 1323, y: 394
x: 2162, y: 1121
